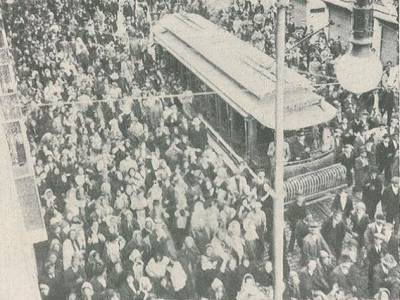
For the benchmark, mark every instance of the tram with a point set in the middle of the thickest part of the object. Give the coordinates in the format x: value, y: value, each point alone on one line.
x: 239, y: 109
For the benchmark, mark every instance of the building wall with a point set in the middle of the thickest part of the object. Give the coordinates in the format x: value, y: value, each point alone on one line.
x: 299, y: 12
x: 317, y: 14
x: 385, y: 39
x: 389, y: 43
x: 343, y: 23
x: 18, y: 279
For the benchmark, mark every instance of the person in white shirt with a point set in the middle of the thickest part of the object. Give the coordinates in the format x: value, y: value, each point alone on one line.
x: 157, y: 266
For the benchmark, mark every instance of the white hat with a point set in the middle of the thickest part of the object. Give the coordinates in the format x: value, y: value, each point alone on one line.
x: 87, y: 285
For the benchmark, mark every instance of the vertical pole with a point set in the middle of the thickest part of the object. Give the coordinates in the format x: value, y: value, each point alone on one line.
x: 278, y: 208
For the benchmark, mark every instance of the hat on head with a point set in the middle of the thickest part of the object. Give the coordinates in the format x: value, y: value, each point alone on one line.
x: 300, y: 133
x: 87, y: 285
x: 44, y: 287
x: 379, y: 236
x: 380, y: 217
x: 389, y: 261
x: 360, y: 205
x: 196, y: 121
x: 308, y: 219
x: 323, y: 254
x: 256, y: 205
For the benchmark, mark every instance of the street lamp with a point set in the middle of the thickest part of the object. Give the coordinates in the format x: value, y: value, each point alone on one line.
x: 360, y: 70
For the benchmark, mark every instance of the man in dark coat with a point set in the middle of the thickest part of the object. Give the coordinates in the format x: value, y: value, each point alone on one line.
x: 333, y: 230
x: 299, y: 148
x: 343, y: 203
x: 372, y: 229
x: 198, y: 135
x: 348, y: 161
x: 387, y: 103
x: 74, y: 276
x: 359, y: 220
x: 391, y: 202
x: 302, y: 229
x: 296, y: 213
x: 385, y: 152
x: 308, y: 276
x: 381, y: 272
x: 377, y: 251
x: 342, y: 275
x: 372, y: 192
x: 391, y: 241
x: 52, y: 279
x: 324, y: 269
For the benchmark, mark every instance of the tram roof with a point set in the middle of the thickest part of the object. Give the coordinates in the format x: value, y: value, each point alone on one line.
x: 241, y: 74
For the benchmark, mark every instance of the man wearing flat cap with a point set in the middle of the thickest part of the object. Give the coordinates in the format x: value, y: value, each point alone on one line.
x: 391, y: 202
x: 313, y: 243
x: 299, y: 148
x: 361, y: 167
x: 372, y: 192
x: 385, y: 152
x: 295, y: 213
x: 377, y: 251
x: 381, y: 272
x: 346, y: 158
x: 334, y: 230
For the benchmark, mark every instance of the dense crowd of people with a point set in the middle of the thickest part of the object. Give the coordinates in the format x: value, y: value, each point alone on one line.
x: 136, y: 203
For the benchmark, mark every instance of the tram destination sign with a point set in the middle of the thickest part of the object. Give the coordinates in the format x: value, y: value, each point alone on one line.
x: 301, y: 105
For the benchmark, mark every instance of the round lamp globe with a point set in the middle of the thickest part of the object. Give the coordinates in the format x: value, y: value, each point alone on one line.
x: 359, y: 74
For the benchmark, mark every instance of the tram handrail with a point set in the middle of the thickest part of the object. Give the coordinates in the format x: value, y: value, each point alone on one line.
x: 302, y: 161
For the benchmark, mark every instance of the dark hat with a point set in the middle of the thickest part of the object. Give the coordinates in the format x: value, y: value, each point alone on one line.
x: 314, y: 224
x: 373, y: 169
x: 380, y: 217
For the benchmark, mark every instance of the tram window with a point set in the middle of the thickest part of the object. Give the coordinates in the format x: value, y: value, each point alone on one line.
x: 224, y: 118
x: 238, y: 133
x: 5, y: 79
x: 212, y: 109
x: 265, y: 135
x: 2, y: 44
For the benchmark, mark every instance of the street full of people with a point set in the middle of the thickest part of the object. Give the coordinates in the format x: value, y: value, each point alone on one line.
x: 136, y: 203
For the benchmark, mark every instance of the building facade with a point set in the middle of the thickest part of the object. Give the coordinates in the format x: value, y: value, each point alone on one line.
x: 21, y: 224
x: 317, y: 13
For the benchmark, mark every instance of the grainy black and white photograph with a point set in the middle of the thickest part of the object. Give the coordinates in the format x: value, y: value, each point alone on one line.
x: 199, y: 150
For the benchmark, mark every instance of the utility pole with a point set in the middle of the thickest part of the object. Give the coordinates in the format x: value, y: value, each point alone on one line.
x: 278, y: 207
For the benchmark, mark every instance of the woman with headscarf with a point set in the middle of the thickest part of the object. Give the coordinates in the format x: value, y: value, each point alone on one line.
x: 253, y: 245
x: 68, y: 249
x: 139, y: 204
x: 235, y: 241
x: 250, y: 290
x: 209, y: 268
x: 217, y: 290
x: 198, y: 226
